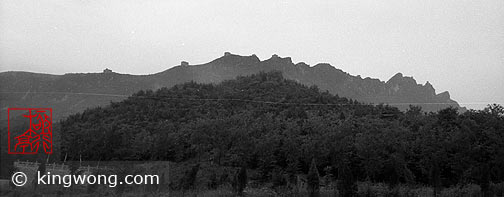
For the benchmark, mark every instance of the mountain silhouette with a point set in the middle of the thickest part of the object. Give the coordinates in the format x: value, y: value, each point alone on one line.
x: 71, y: 93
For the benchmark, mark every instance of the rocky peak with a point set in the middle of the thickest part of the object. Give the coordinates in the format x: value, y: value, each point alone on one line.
x: 399, y: 79
x: 302, y: 65
x: 429, y: 88
x: 277, y: 59
x: 232, y: 59
x: 445, y: 96
x: 323, y: 65
x: 428, y: 84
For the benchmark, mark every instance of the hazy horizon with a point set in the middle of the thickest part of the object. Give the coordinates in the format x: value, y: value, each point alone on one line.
x: 458, y: 46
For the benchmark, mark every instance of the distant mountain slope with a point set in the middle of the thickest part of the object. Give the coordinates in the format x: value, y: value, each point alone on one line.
x: 153, y: 125
x: 68, y: 94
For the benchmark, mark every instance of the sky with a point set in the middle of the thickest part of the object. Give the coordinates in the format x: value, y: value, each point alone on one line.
x: 456, y: 45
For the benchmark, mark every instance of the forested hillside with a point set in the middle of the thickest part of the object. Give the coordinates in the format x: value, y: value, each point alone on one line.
x: 277, y: 127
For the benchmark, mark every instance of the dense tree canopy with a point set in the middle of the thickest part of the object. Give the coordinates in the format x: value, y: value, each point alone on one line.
x: 266, y: 123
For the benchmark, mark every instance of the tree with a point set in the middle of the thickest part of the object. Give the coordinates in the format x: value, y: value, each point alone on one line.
x: 42, y: 170
x: 190, y: 177
x: 73, y: 167
x: 494, y: 109
x: 435, y: 176
x: 240, y: 181
x: 346, y: 184
x: 212, y: 181
x: 313, y: 180
x: 414, y: 110
x: 342, y: 116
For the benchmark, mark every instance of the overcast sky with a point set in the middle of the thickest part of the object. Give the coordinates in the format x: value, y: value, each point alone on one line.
x: 456, y: 45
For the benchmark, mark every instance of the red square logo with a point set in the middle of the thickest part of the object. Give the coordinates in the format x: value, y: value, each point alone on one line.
x: 37, y: 136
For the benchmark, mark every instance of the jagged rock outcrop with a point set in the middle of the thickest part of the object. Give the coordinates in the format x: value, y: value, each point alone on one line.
x: 400, y: 91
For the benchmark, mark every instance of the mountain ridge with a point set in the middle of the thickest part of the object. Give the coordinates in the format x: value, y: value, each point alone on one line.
x: 399, y: 90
